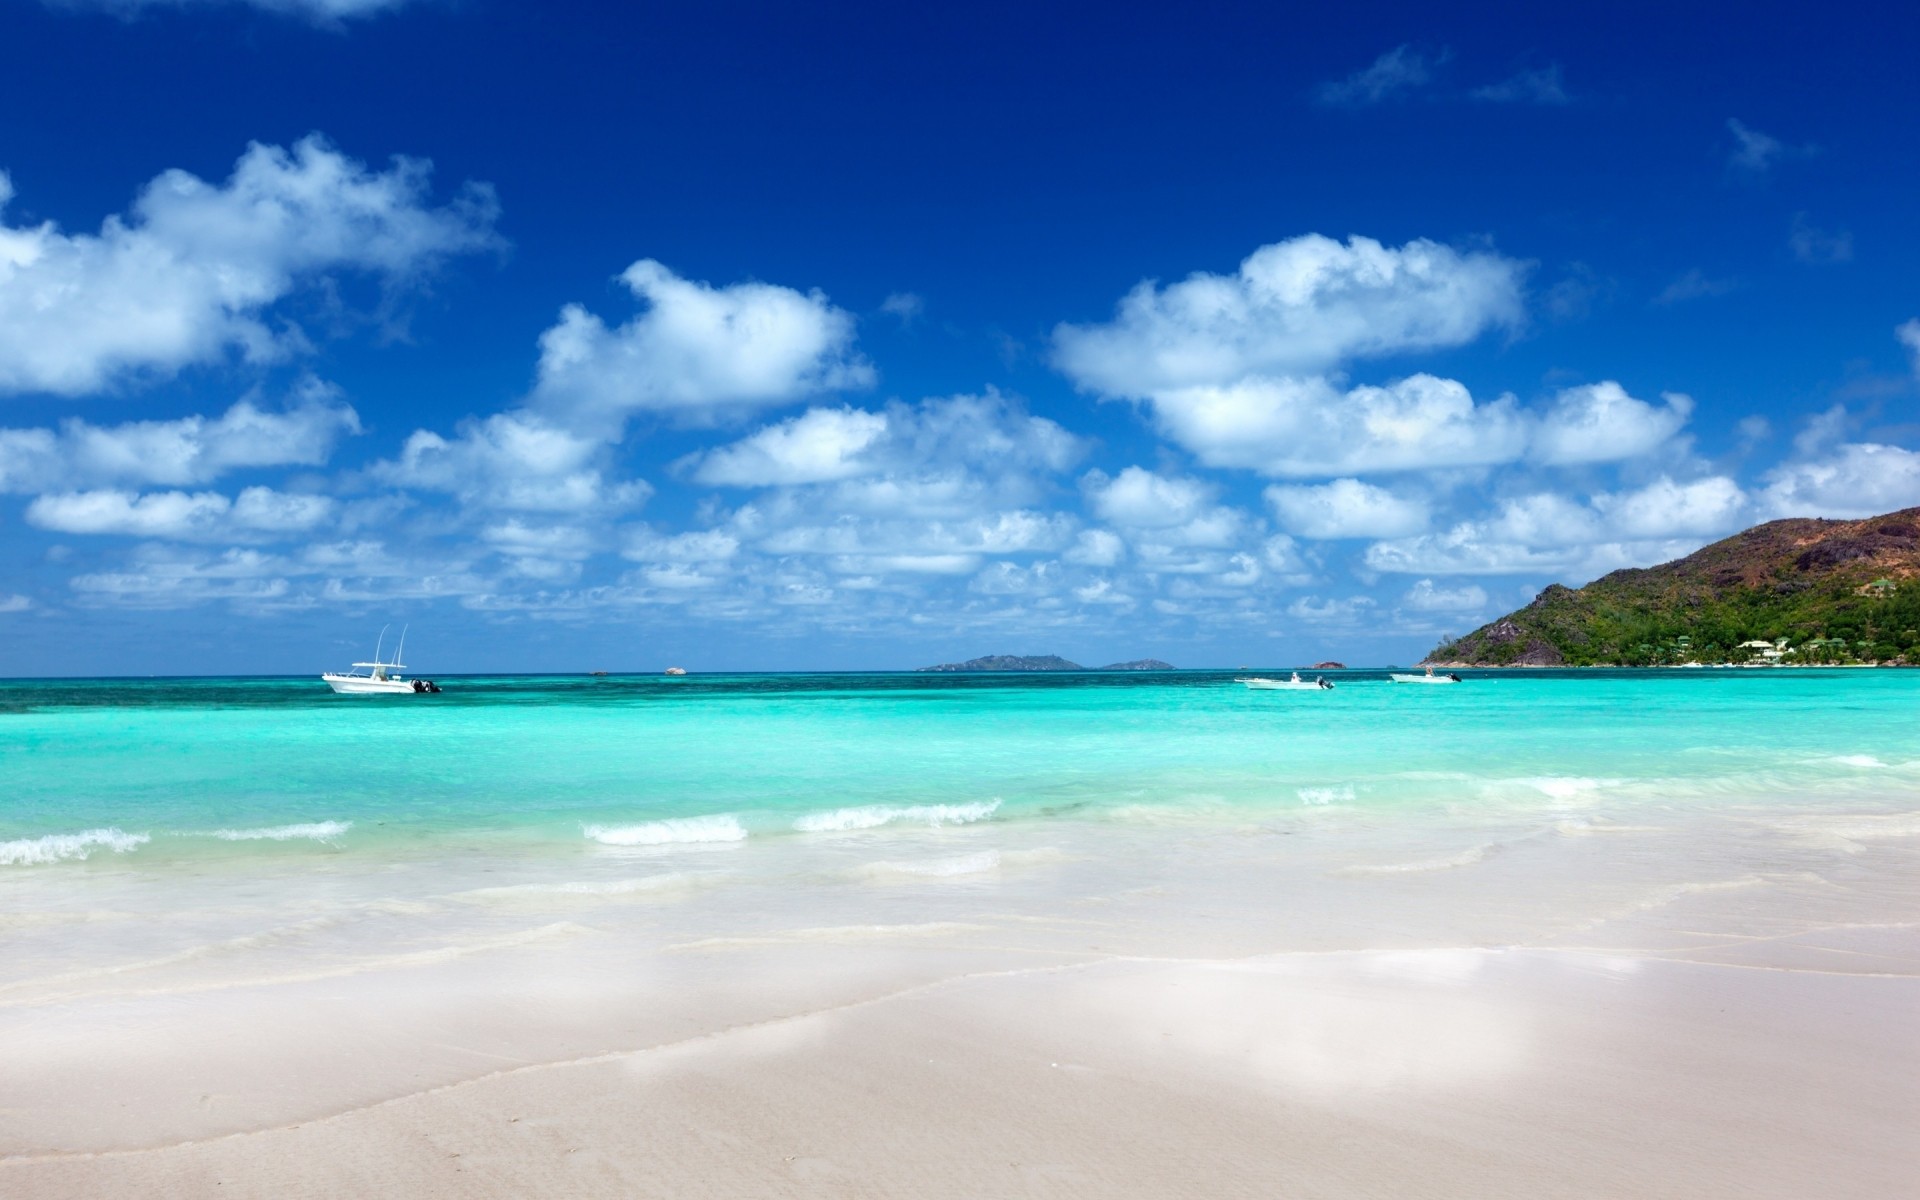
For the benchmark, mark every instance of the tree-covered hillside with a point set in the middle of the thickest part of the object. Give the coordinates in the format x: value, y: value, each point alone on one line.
x: 1836, y: 591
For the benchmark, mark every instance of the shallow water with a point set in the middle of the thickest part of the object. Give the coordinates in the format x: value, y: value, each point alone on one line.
x: 152, y: 774
x: 208, y: 887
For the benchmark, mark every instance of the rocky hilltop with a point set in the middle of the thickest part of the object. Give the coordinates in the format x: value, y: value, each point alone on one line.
x: 1831, y: 591
x: 1043, y: 662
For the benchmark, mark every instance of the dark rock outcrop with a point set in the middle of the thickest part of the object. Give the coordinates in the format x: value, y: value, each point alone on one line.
x: 1009, y: 662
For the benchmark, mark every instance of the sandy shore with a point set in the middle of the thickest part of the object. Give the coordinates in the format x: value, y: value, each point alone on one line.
x: 1726, y: 1008
x: 1437, y: 1073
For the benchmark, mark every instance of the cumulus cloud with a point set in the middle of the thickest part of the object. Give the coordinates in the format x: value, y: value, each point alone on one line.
x: 257, y: 513
x: 1303, y: 428
x: 513, y: 460
x: 1602, y: 423
x: 188, y: 450
x: 1541, y: 86
x: 1399, y: 71
x: 14, y: 603
x: 1852, y: 480
x: 1423, y: 596
x: 1547, y: 532
x: 1297, y: 307
x: 1346, y: 508
x: 1909, y: 335
x: 1141, y: 499
x: 698, y: 353
x: 820, y: 445
x: 194, y: 270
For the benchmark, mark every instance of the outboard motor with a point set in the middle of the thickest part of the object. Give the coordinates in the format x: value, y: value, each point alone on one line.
x: 419, y: 686
x: 1454, y: 675
x: 432, y: 686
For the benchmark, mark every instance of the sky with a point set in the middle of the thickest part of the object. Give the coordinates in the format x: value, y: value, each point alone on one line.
x: 833, y: 337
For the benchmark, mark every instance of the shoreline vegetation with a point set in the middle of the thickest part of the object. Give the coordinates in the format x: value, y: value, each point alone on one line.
x: 1798, y: 592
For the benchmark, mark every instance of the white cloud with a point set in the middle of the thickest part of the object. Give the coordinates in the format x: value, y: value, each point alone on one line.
x: 14, y: 603
x: 1857, y: 479
x: 1541, y: 86
x: 1549, y: 533
x: 820, y: 445
x: 698, y: 353
x: 1756, y: 152
x: 188, y: 450
x: 1663, y: 509
x: 1909, y: 335
x: 1140, y: 499
x: 1819, y: 247
x: 194, y: 269
x: 1306, y: 428
x: 1400, y: 70
x: 907, y: 306
x: 512, y: 461
x: 1346, y: 508
x: 321, y: 12
x: 198, y: 516
x: 1602, y: 423
x: 1425, y: 597
x: 1694, y: 285
x: 1097, y: 548
x: 1295, y: 307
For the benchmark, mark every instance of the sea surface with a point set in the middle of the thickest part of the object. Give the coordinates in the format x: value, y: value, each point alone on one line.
x: 158, y: 775
x: 211, y: 887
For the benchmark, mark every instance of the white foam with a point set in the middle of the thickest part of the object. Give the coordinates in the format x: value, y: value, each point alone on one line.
x: 1867, y: 761
x: 939, y: 868
x: 1327, y: 795
x: 54, y: 847
x: 1566, y: 787
x: 1465, y: 858
x: 872, y: 816
x: 319, y: 831
x: 591, y: 889
x: 722, y: 827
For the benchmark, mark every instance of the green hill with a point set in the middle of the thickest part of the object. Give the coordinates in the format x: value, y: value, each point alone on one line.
x: 1837, y: 591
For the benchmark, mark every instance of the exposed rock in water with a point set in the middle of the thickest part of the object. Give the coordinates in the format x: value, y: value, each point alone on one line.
x: 1009, y: 662
x: 1329, y: 665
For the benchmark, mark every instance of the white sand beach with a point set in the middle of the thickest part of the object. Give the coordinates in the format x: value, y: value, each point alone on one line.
x: 1725, y: 1009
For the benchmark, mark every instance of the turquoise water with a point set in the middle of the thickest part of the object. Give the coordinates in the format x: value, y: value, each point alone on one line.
x: 141, y: 774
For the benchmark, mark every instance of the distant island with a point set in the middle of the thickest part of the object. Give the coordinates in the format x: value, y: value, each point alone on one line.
x: 1799, y: 591
x: 1044, y: 662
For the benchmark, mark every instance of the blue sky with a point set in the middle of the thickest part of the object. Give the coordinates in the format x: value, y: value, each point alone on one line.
x: 775, y: 337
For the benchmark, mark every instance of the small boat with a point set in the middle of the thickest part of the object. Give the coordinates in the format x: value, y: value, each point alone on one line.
x: 1295, y: 684
x: 379, y: 678
x: 676, y: 671
x: 1429, y: 677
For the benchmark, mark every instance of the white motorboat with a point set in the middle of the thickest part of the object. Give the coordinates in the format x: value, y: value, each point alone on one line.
x: 1429, y: 677
x: 379, y: 678
x: 1295, y: 684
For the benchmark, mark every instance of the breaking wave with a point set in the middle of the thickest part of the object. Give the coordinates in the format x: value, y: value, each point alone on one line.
x: 724, y: 827
x: 319, y: 831
x: 55, y: 847
x: 872, y: 816
x: 1327, y: 795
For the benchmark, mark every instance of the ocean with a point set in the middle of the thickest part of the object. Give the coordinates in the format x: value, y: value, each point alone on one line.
x: 212, y: 887
x: 151, y: 776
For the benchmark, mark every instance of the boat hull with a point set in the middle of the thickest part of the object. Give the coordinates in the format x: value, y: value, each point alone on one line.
x: 1282, y: 685
x: 360, y: 685
x: 1424, y: 679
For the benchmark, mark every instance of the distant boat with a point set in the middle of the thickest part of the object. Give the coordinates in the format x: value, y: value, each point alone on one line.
x: 1429, y: 677
x: 1295, y: 684
x: 379, y: 679
x: 676, y: 671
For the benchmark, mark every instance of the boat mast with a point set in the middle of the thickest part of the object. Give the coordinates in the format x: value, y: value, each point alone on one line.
x: 400, y: 655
